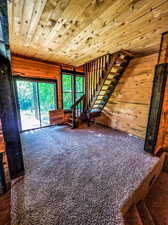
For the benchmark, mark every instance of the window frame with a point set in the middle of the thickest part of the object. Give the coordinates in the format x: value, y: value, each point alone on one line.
x: 62, y: 91
x: 78, y: 92
x: 37, y: 80
x: 73, y: 92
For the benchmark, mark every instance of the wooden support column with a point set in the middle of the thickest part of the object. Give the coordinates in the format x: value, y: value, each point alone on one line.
x: 8, y: 113
x: 162, y: 139
x: 159, y: 84
x: 157, y: 135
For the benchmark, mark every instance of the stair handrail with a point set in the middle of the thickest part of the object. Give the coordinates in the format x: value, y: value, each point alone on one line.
x: 74, y: 108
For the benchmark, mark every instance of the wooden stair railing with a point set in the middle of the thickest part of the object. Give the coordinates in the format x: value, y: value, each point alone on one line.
x: 102, y: 76
x: 77, y: 111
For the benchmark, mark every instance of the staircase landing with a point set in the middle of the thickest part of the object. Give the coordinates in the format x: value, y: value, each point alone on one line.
x: 80, y: 176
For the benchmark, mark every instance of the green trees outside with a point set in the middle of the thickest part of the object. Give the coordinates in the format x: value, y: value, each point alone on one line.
x: 67, y: 91
x: 36, y: 99
x: 67, y: 84
x: 47, y: 96
x: 25, y: 94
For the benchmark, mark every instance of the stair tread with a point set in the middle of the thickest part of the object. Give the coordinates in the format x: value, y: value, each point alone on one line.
x: 145, y: 214
x: 110, y: 79
x: 133, y: 217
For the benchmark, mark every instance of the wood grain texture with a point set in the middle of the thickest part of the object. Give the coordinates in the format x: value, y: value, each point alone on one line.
x: 73, y: 33
x: 128, y: 107
x: 56, y: 117
x: 162, y: 139
x: 163, y: 56
x: 5, y: 208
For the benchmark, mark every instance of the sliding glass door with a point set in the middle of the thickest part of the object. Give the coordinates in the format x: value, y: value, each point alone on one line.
x: 35, y: 100
x: 47, y: 101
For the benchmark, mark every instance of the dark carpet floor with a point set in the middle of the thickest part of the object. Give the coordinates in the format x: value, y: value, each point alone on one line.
x: 77, y: 177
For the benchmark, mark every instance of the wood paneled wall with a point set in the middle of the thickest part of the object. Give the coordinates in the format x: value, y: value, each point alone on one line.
x: 36, y: 69
x: 128, y: 107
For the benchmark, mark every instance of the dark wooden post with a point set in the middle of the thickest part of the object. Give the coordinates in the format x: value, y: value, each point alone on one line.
x: 8, y: 113
x: 159, y: 83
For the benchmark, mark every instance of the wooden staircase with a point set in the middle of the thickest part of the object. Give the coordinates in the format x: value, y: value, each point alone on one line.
x: 102, y: 76
x: 108, y: 79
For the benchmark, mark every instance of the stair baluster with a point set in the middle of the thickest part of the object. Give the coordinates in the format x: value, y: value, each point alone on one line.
x: 77, y: 110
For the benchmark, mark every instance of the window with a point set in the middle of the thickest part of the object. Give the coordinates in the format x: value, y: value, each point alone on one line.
x: 67, y: 91
x: 70, y: 95
x: 79, y: 86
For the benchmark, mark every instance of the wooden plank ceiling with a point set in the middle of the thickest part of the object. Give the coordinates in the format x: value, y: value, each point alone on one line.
x: 75, y: 31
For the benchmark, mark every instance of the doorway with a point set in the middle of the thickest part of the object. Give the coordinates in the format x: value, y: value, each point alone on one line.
x: 35, y: 98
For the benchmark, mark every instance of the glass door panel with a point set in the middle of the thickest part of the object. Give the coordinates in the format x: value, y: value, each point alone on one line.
x: 79, y: 88
x: 67, y: 91
x: 28, y: 104
x: 47, y: 101
x: 35, y: 100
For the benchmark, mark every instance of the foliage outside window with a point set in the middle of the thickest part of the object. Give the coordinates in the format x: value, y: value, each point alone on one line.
x: 35, y: 100
x: 68, y: 89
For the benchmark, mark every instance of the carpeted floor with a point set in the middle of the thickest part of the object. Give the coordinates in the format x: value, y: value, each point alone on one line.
x: 77, y: 177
